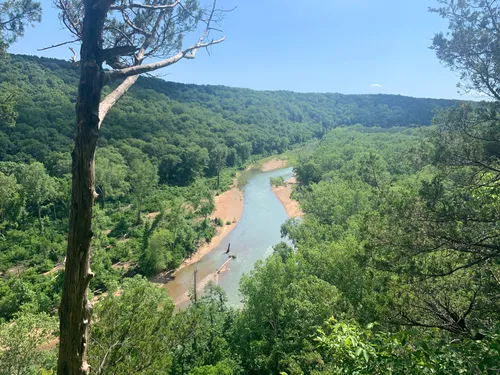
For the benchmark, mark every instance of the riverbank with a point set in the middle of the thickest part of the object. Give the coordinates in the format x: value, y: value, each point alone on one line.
x: 273, y: 164
x: 252, y: 239
x: 229, y: 207
x: 284, y: 194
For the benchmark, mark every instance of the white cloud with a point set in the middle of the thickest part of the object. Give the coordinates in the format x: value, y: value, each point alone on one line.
x: 377, y: 85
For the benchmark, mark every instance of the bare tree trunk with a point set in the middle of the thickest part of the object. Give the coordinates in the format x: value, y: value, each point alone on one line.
x: 75, y: 310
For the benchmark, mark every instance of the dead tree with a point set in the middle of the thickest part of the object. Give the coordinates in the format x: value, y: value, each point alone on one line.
x: 122, y: 35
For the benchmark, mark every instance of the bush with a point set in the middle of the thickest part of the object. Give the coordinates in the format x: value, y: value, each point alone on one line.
x: 218, y: 221
x: 277, y: 181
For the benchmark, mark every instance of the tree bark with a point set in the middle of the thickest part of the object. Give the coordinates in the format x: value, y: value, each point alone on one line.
x: 75, y: 310
x: 110, y: 100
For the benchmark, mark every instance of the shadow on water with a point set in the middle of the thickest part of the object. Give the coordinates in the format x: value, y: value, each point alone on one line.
x: 251, y: 240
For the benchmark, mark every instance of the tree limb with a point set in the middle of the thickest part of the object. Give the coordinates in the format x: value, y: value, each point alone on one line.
x: 111, y: 99
x: 144, y: 6
x: 188, y: 53
x: 59, y: 45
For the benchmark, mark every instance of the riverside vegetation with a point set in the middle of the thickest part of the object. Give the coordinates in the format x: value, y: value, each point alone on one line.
x: 394, y: 268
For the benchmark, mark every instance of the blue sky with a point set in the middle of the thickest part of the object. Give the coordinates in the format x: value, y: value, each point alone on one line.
x: 346, y: 46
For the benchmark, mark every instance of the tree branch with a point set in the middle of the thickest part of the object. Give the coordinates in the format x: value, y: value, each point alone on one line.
x: 103, y: 5
x: 58, y: 45
x: 73, y: 59
x: 144, y: 6
x: 117, y: 51
x: 188, y: 53
x: 111, y: 99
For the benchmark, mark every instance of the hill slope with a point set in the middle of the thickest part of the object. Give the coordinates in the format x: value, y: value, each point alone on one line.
x: 159, y: 113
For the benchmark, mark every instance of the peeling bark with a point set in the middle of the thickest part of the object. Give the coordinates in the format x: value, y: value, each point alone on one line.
x: 75, y: 309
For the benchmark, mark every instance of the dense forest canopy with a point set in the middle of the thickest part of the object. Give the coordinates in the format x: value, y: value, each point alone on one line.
x: 163, y: 116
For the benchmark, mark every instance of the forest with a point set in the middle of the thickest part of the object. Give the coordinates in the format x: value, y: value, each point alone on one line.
x: 163, y: 145
x: 394, y: 268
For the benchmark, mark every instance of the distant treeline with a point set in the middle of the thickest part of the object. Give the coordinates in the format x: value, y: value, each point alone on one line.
x: 163, y: 119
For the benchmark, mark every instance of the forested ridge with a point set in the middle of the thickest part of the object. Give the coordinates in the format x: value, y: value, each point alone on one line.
x: 158, y: 112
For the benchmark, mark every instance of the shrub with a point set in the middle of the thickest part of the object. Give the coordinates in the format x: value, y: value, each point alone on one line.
x: 277, y: 181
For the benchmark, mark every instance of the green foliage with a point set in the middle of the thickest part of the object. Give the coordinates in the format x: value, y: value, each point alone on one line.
x: 111, y: 173
x: 38, y: 186
x: 351, y: 349
x: 8, y: 114
x: 25, y: 345
x: 204, y: 334
x: 158, y: 253
x: 469, y: 46
x: 135, y: 331
x: 225, y: 367
x: 277, y: 181
x: 131, y: 332
x: 15, y: 15
x: 143, y: 181
x: 9, y: 195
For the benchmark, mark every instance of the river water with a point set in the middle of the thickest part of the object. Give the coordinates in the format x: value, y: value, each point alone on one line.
x: 251, y: 240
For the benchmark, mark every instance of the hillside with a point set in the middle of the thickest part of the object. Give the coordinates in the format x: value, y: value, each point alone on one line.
x: 156, y: 113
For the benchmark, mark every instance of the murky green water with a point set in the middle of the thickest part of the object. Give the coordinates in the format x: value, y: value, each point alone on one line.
x: 251, y: 240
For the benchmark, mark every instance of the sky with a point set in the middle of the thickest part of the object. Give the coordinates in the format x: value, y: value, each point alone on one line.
x: 345, y: 46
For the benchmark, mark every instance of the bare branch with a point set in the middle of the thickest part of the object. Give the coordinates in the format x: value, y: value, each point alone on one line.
x: 59, y: 45
x: 110, y: 100
x: 127, y: 20
x: 67, y: 17
x: 73, y: 59
x: 188, y: 53
x: 144, y: 6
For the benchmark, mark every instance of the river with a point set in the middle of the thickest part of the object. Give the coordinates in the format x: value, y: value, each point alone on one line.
x: 251, y: 240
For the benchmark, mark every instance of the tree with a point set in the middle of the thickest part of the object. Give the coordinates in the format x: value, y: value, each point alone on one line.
x: 202, y: 198
x: 282, y: 309
x: 143, y: 181
x: 218, y: 157
x: 156, y: 255
x: 15, y: 15
x: 38, y: 187
x: 132, y: 332
x: 21, y: 339
x: 8, y: 113
x: 111, y: 173
x: 471, y: 46
x: 9, y: 193
x: 123, y: 36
